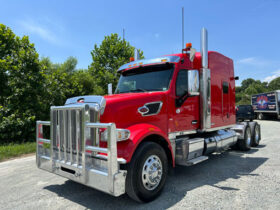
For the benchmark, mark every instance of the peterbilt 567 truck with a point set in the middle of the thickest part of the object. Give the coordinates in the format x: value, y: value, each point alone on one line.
x: 171, y: 110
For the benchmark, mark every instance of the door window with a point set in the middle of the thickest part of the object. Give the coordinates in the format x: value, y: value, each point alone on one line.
x: 182, y: 83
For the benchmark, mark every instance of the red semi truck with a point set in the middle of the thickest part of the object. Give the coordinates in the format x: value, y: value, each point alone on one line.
x: 171, y: 110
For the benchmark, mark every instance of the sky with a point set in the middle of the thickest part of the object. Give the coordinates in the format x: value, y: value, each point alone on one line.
x: 245, y: 30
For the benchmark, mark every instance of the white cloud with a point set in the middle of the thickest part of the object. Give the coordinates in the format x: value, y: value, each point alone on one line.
x: 30, y: 27
x: 272, y: 77
x: 254, y: 61
x: 250, y: 60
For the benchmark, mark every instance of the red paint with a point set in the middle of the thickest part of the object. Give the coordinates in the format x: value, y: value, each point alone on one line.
x: 122, y: 109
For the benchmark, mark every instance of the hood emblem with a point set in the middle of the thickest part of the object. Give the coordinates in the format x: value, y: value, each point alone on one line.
x: 81, y: 100
x: 143, y: 110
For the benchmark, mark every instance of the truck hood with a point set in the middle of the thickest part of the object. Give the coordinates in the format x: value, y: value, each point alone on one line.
x: 122, y: 109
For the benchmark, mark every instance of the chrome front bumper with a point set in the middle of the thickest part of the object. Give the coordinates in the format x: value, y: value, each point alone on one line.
x: 70, y: 153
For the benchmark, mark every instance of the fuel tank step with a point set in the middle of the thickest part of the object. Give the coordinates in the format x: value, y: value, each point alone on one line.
x: 196, y: 160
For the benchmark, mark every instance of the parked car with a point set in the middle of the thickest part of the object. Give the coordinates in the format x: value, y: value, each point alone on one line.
x: 244, y: 112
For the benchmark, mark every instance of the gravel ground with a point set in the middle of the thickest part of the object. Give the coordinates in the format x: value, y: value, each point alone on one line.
x: 231, y: 180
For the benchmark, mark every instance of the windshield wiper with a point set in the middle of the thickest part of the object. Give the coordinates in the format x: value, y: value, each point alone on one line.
x: 138, y: 90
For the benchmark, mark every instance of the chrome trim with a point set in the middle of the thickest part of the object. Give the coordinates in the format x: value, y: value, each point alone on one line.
x: 137, y: 63
x: 142, y: 113
x: 99, y: 100
x: 145, y: 105
x: 173, y: 135
x: 220, y: 128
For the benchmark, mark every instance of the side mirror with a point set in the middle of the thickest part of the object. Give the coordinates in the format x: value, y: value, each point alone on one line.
x: 193, y: 82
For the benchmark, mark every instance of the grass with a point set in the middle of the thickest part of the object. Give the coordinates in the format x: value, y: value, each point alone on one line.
x: 14, y: 150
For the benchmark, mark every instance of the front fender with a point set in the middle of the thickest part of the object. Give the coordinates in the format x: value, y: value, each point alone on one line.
x: 138, y: 133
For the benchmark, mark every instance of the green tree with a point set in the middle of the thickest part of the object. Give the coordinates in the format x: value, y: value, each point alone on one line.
x: 274, y: 84
x: 63, y: 81
x: 21, y: 86
x: 248, y: 88
x: 108, y: 57
x: 246, y: 83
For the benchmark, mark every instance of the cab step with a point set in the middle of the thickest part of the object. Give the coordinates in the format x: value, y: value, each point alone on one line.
x: 196, y: 160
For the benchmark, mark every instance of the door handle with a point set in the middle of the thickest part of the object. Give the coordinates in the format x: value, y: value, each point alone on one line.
x: 194, y: 122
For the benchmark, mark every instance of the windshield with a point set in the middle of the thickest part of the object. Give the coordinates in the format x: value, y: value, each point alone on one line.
x: 152, y: 78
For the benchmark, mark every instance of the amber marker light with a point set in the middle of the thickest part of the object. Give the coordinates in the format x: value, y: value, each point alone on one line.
x: 189, y: 45
x: 131, y: 59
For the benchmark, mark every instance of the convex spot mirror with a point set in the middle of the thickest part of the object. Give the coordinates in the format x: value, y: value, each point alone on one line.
x: 193, y: 82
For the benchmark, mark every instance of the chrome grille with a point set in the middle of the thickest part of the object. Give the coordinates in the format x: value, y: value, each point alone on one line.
x: 66, y: 126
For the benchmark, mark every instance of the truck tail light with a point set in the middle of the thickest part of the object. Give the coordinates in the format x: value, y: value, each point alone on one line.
x: 121, y: 135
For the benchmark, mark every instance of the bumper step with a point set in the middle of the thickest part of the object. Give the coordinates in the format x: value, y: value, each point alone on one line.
x: 196, y: 160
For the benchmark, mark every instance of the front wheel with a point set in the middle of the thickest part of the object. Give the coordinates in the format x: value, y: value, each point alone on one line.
x: 147, y: 171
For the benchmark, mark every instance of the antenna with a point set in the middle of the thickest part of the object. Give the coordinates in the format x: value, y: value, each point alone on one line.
x: 182, y: 27
x: 123, y: 32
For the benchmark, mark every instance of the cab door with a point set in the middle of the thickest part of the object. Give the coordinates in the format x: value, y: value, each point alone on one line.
x: 186, y: 116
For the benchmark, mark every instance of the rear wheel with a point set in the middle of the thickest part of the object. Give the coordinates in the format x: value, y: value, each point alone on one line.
x: 256, y: 135
x: 147, y: 171
x: 260, y: 116
x: 245, y: 144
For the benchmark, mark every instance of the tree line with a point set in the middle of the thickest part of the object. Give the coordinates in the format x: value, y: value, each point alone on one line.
x: 29, y: 85
x: 250, y: 87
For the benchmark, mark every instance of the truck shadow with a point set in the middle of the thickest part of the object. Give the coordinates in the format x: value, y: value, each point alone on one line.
x: 181, y: 180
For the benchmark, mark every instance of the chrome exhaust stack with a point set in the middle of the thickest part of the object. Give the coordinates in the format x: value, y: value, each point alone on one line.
x: 205, y: 84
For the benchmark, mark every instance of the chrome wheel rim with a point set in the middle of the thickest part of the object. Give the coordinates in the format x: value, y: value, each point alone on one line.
x: 257, y: 134
x: 248, y: 135
x: 152, y: 172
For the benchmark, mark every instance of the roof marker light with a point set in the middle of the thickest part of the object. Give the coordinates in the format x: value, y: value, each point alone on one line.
x: 131, y: 59
x: 189, y: 45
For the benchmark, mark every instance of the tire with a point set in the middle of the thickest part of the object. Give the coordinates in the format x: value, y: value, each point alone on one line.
x: 245, y: 144
x: 139, y: 186
x: 256, y: 135
x: 260, y: 116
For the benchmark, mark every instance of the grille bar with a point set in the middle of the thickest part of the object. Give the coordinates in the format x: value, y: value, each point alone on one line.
x: 70, y: 135
x: 77, y: 136
x: 58, y: 136
x: 64, y: 134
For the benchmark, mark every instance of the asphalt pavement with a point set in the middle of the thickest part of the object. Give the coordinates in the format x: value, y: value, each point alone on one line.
x: 231, y: 180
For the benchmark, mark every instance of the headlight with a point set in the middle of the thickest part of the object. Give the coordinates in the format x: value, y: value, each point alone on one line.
x: 121, y: 135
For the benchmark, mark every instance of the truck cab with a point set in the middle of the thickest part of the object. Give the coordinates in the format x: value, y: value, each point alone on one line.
x: 174, y: 109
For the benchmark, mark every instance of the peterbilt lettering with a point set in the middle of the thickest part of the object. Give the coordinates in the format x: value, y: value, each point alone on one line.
x: 172, y: 110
